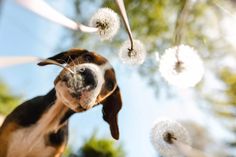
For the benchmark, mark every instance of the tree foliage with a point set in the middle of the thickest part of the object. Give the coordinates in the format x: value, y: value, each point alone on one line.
x: 8, y: 101
x: 100, y: 148
x: 161, y: 24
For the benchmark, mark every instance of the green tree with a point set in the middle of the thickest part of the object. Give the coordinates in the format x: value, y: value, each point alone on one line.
x: 8, y: 101
x: 225, y: 106
x: 95, y: 147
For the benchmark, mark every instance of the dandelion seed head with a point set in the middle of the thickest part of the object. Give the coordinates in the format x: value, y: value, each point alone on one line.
x: 135, y: 56
x: 181, y: 66
x: 163, y: 135
x: 107, y: 22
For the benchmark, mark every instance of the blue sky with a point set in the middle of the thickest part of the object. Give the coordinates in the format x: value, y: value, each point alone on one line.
x: 24, y: 33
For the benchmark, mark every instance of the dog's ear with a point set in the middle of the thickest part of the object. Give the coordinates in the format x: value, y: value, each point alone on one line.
x: 111, y: 108
x: 63, y: 57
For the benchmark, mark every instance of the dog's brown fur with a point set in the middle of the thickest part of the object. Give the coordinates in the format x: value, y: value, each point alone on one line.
x: 39, y: 127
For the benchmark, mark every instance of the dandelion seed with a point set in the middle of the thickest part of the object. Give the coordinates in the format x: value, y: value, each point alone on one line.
x: 107, y: 22
x: 181, y: 66
x: 135, y: 56
x: 165, y: 133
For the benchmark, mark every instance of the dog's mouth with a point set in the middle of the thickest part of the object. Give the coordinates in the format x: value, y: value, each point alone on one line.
x: 84, y: 84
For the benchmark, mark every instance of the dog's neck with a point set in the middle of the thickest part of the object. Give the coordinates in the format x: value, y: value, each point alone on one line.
x: 57, y: 111
x: 52, y: 120
x: 40, y: 122
x: 54, y: 117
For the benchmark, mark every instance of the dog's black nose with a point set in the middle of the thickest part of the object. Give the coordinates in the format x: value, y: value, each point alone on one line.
x: 89, y: 77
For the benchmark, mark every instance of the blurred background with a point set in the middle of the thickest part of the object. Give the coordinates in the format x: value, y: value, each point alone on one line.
x: 208, y: 111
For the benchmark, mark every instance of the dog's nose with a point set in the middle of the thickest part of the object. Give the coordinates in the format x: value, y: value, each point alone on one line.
x: 89, y: 78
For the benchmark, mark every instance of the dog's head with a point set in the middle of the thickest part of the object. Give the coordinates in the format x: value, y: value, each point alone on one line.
x: 86, y: 81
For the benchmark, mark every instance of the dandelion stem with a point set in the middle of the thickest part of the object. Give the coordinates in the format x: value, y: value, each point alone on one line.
x: 6, y: 61
x: 123, y: 12
x: 189, y: 151
x: 177, y: 54
x: 225, y: 10
x: 181, y: 19
x: 41, y: 8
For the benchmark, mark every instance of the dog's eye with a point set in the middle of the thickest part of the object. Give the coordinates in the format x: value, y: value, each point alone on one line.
x: 88, y: 58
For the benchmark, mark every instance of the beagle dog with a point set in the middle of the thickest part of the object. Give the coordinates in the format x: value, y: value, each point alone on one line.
x: 39, y: 127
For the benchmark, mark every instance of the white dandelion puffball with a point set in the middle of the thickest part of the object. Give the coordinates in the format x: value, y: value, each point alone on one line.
x: 107, y: 22
x: 184, y: 72
x: 135, y: 56
x: 164, y: 133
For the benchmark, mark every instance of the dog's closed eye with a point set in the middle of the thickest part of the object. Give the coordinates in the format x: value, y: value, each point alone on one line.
x: 88, y: 58
x: 110, y: 84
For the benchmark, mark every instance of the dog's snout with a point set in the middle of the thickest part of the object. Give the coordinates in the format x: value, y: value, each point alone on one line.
x: 89, y: 77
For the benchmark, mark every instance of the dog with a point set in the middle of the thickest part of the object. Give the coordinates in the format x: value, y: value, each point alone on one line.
x: 39, y: 127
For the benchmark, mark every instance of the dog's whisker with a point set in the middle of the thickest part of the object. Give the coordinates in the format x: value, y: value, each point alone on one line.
x: 77, y: 59
x: 73, y: 62
x: 58, y: 64
x: 63, y: 60
x: 69, y: 59
x: 71, y: 71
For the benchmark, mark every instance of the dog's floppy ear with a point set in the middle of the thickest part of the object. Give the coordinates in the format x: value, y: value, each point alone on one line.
x: 63, y: 57
x: 111, y: 108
